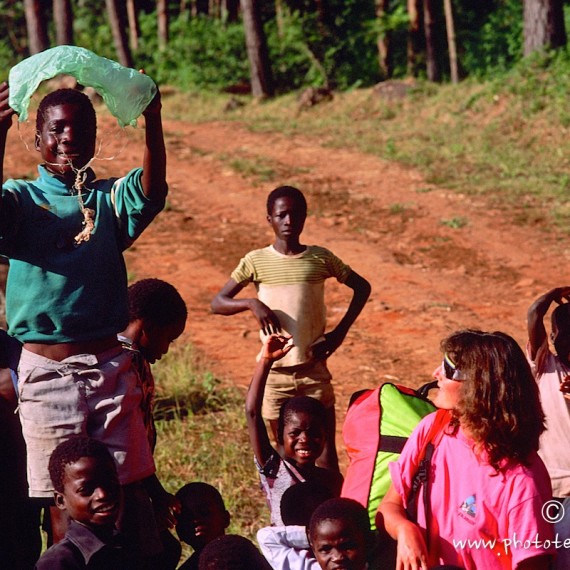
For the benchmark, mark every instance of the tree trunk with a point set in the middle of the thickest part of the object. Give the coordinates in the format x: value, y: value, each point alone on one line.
x: 202, y: 7
x: 451, y: 46
x: 414, y: 37
x: 543, y: 25
x: 230, y: 9
x: 432, y: 65
x: 119, y: 34
x: 63, y: 18
x: 36, y: 27
x: 384, y: 42
x: 134, y: 30
x: 279, y: 19
x: 257, y: 53
x: 162, y: 16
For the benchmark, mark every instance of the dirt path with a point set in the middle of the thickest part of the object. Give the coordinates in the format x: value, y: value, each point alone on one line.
x: 428, y: 277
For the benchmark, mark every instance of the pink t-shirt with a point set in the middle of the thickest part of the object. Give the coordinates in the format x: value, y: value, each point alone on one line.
x: 470, y: 502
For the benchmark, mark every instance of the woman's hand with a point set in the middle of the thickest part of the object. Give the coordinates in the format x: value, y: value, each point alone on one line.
x: 411, y: 549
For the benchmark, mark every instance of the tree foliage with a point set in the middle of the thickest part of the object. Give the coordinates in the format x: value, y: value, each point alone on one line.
x: 310, y: 42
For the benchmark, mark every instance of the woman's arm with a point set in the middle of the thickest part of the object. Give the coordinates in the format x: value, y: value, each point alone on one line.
x: 411, y: 549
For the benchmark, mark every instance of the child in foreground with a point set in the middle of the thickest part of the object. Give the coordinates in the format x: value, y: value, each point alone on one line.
x: 338, y: 536
x: 87, y: 488
x: 202, y: 519
x: 289, y: 277
x: 66, y: 299
x: 301, y: 433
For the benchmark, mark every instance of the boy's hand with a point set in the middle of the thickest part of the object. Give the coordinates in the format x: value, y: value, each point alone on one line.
x: 6, y: 112
x: 154, y: 107
x: 267, y: 319
x: 166, y: 511
x: 324, y: 349
x: 276, y: 346
x: 560, y: 295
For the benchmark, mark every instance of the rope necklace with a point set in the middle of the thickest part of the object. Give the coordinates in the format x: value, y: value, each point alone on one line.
x: 88, y: 223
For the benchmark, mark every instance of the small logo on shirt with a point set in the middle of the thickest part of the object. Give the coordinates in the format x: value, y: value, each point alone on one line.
x: 469, y: 506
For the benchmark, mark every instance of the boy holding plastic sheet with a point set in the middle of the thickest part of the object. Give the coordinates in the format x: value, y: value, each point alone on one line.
x: 65, y: 234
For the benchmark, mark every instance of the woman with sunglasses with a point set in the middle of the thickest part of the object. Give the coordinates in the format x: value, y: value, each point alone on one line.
x: 487, y: 487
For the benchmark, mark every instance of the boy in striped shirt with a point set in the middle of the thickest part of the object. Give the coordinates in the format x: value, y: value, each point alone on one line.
x: 289, y: 278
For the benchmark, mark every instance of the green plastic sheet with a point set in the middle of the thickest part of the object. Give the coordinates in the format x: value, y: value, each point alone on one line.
x: 125, y: 91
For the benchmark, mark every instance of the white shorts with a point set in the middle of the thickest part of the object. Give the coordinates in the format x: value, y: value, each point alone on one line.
x: 86, y: 394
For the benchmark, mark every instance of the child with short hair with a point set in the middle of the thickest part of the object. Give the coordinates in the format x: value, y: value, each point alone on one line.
x: 289, y: 278
x: 66, y: 299
x: 339, y: 534
x: 552, y: 373
x: 301, y: 433
x: 157, y: 317
x: 86, y: 486
x: 232, y: 552
x: 203, y: 518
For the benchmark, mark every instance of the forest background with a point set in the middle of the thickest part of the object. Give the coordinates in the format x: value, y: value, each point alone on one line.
x: 473, y: 94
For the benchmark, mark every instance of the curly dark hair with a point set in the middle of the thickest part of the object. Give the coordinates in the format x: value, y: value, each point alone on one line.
x: 340, y: 509
x: 67, y: 97
x: 499, y: 402
x: 299, y: 404
x: 157, y: 301
x: 71, y: 451
x: 286, y: 192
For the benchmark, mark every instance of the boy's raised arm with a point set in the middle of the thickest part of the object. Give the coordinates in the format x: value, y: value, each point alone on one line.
x: 274, y: 348
x: 6, y: 114
x: 333, y: 339
x: 224, y: 303
x: 154, y: 161
x: 535, y: 317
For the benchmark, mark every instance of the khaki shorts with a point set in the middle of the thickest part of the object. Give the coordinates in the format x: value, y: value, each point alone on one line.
x: 87, y: 394
x: 312, y: 379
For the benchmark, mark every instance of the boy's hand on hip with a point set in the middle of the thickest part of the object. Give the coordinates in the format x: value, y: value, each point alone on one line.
x: 324, y: 349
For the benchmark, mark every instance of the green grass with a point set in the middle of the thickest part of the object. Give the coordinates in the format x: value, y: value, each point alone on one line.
x: 202, y: 436
x: 504, y: 140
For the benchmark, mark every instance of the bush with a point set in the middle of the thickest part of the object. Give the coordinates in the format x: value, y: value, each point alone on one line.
x: 202, y: 52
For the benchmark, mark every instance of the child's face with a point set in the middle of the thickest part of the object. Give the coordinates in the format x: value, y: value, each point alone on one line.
x: 155, y: 340
x: 303, y: 438
x: 202, y: 519
x: 287, y: 219
x: 65, y: 141
x: 339, y: 544
x: 91, y: 492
